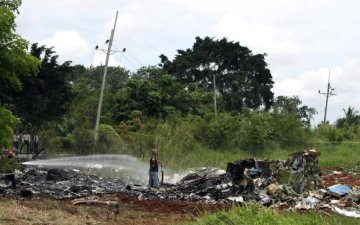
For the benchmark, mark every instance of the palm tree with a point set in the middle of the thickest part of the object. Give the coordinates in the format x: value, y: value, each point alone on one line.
x: 351, y: 116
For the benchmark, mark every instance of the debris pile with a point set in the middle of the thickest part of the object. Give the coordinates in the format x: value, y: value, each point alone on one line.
x: 64, y: 183
x: 294, y: 184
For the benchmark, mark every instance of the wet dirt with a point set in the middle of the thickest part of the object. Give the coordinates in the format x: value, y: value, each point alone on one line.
x: 332, y: 177
x: 169, y: 206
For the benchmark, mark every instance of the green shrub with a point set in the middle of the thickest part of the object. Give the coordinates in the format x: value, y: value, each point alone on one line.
x: 7, y: 123
x: 288, y: 132
x: 109, y: 141
x: 258, y: 131
x: 84, y: 141
x: 329, y: 133
x: 218, y: 132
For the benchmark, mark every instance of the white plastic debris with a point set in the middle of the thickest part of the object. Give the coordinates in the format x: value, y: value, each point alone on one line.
x: 236, y: 199
x: 355, y: 214
x: 206, y: 197
x: 311, y: 201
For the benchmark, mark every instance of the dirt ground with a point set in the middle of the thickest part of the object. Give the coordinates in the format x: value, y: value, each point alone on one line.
x: 127, y: 211
x: 338, y: 176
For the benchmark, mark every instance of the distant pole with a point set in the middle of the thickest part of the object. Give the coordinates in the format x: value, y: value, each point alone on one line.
x: 103, y: 81
x: 327, y: 94
x: 215, y: 107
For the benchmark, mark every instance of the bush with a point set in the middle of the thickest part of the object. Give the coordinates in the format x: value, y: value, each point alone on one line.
x: 258, y: 131
x: 218, y: 132
x: 108, y: 141
x: 7, y: 123
x: 329, y: 133
x: 289, y: 132
x: 84, y: 141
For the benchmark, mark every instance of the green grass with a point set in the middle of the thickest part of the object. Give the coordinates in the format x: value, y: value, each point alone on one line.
x: 344, y: 155
x: 256, y: 214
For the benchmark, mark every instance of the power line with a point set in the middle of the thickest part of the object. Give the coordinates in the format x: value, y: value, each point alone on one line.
x: 328, y: 94
x: 132, y: 56
x: 129, y: 61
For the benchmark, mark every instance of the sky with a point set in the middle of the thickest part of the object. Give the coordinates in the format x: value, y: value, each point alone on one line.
x: 304, y: 40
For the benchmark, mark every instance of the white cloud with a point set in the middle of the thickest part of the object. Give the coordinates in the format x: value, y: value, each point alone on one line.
x: 100, y: 58
x: 69, y: 45
x: 344, y: 79
x: 259, y: 37
x: 283, y: 50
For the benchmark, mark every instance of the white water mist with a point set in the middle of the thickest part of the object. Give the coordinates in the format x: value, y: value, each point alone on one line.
x: 119, y: 163
x: 124, y: 165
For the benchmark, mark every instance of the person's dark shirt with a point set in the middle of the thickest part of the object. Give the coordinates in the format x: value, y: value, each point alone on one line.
x: 154, y: 164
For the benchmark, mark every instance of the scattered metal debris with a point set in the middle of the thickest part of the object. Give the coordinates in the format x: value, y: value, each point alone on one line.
x: 294, y: 184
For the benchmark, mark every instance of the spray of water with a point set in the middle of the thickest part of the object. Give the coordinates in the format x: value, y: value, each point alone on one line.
x: 115, y: 165
x: 124, y: 164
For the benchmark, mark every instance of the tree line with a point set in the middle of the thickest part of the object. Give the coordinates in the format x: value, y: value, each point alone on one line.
x: 59, y: 100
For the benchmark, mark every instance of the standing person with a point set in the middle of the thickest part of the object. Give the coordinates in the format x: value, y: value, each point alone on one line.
x: 154, y: 170
x: 26, y: 140
x: 16, y: 139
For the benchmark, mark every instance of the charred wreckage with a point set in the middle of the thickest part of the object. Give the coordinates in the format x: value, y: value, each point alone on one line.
x: 293, y: 184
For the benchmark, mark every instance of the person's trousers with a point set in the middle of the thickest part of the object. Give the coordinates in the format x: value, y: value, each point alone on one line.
x: 27, y: 143
x: 154, y: 179
x: 16, y: 145
x: 11, y: 178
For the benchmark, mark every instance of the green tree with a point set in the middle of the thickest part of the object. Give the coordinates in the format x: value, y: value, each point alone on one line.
x: 7, y: 123
x: 85, y: 84
x: 284, y: 106
x: 15, y: 61
x: 11, y: 5
x: 115, y: 79
x: 45, y: 95
x: 242, y: 78
x: 351, y: 118
x: 153, y: 92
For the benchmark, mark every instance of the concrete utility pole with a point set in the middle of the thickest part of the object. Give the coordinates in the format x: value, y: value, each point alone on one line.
x: 215, y: 107
x: 212, y: 73
x: 328, y: 94
x: 108, y: 52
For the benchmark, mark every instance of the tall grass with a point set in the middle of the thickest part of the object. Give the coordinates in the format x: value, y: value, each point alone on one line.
x: 181, y: 146
x: 344, y: 155
x: 255, y: 214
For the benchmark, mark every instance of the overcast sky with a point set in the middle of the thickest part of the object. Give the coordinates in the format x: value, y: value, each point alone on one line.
x: 303, y: 39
